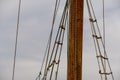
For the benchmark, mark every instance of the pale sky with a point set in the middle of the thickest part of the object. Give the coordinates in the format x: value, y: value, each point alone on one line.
x: 35, y: 25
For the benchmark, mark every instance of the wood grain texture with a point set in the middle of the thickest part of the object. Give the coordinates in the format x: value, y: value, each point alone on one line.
x: 75, y: 40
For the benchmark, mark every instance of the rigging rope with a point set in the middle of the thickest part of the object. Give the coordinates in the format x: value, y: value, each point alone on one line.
x: 16, y: 41
x: 50, y: 38
x: 102, y: 60
x: 47, y: 55
x: 103, y: 2
x: 51, y: 59
x: 54, y: 18
x: 62, y: 27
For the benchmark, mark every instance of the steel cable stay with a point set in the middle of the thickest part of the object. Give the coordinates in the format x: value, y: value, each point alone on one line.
x: 50, y: 64
x: 104, y: 40
x: 102, y: 58
x: 16, y: 40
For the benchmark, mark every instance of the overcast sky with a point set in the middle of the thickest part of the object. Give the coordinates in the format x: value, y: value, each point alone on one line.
x: 35, y: 25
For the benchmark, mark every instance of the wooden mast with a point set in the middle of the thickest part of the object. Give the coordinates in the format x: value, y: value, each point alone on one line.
x: 75, y: 40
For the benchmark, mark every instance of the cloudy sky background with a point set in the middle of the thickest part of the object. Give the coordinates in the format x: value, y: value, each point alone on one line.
x: 35, y: 25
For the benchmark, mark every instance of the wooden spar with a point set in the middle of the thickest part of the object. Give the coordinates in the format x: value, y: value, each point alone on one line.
x: 75, y: 40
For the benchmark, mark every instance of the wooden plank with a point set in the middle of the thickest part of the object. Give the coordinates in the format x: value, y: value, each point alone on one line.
x: 75, y: 40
